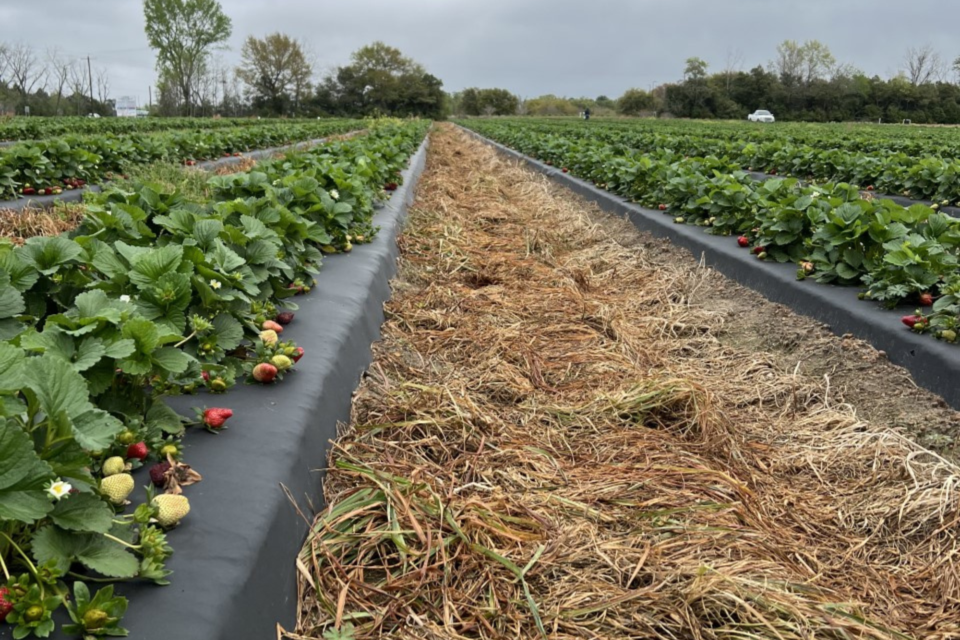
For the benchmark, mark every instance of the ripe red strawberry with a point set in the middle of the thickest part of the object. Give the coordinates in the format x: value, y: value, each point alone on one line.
x: 299, y: 354
x: 285, y: 317
x: 5, y: 605
x: 743, y: 241
x: 390, y: 186
x: 138, y: 450
x: 265, y: 373
x: 911, y: 321
x: 758, y: 250
x: 158, y: 473
x: 271, y: 325
x: 926, y: 299
x: 663, y: 207
x: 48, y: 191
x: 565, y: 170
x: 28, y: 191
x: 870, y: 187
x: 216, y: 417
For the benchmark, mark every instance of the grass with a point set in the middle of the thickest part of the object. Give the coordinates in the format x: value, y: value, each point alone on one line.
x: 551, y: 443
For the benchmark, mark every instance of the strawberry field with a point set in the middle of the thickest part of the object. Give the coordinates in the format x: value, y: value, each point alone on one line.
x: 836, y: 230
x: 73, y: 160
x: 18, y: 128
x: 155, y: 294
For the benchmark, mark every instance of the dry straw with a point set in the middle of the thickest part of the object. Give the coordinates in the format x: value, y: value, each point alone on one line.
x: 552, y: 443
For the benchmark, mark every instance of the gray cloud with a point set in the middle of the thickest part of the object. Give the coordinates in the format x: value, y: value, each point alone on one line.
x: 530, y: 47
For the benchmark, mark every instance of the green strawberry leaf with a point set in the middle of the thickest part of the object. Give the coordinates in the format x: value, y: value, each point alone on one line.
x: 229, y: 331
x: 59, y: 388
x: 47, y: 254
x: 163, y: 418
x: 12, y: 362
x: 62, y: 548
x: 172, y: 359
x: 23, y: 476
x: 11, y: 301
x: 96, y: 429
x: 83, y: 512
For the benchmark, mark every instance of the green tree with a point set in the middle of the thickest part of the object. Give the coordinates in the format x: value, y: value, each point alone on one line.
x: 276, y: 71
x: 183, y: 33
x: 635, y: 101
x: 488, y: 102
x: 381, y: 80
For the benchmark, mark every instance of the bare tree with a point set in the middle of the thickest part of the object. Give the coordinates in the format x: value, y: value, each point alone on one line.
x: 733, y: 65
x: 59, y: 68
x: 789, y: 60
x: 4, y: 52
x: 103, y: 85
x: 923, y: 65
x: 27, y: 73
x: 78, y: 82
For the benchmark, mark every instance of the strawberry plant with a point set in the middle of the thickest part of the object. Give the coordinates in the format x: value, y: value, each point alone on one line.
x: 152, y: 295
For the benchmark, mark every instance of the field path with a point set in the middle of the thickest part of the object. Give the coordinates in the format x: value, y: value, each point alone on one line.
x: 567, y: 433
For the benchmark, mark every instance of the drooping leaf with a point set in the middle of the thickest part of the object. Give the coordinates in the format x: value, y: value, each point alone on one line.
x: 23, y: 476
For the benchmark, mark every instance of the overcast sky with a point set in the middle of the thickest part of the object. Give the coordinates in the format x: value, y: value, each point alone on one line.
x: 531, y: 47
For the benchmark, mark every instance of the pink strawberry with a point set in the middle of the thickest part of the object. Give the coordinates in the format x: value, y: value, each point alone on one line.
x: 215, y: 418
x: 265, y: 373
x: 138, y: 450
x: 205, y: 375
x: 270, y: 324
x: 926, y: 299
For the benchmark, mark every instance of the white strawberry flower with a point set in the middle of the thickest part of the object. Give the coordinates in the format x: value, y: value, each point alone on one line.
x: 124, y: 298
x: 215, y: 284
x: 59, y: 489
x: 334, y: 194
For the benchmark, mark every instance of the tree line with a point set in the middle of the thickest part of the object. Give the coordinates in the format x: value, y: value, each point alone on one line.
x: 276, y: 72
x: 803, y: 82
x: 276, y: 77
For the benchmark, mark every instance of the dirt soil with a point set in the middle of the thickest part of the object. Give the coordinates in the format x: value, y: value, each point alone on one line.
x: 571, y: 430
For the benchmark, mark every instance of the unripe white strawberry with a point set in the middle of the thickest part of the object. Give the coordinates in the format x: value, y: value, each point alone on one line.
x: 171, y: 509
x: 117, y: 487
x: 113, y: 466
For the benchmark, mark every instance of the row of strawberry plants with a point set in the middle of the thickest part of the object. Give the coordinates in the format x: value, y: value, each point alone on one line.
x: 900, y: 255
x: 27, y: 128
x: 882, y: 170
x: 865, y: 138
x: 47, y: 167
x: 151, y: 296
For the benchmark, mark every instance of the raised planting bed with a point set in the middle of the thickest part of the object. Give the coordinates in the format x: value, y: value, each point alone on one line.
x: 234, y: 575
x: 233, y: 264
x: 37, y: 168
x: 46, y: 202
x: 933, y: 364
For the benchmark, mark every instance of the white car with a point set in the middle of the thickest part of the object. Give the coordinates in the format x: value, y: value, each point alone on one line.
x: 761, y: 116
